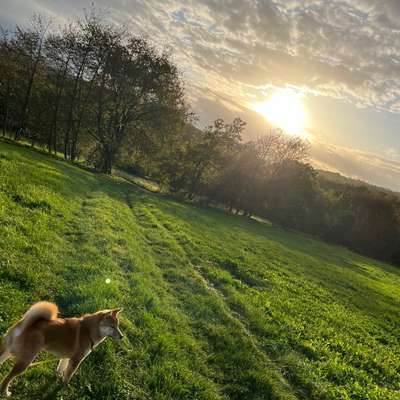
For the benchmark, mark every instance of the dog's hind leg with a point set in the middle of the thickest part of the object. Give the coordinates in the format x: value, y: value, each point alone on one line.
x: 4, y: 354
x: 20, y: 366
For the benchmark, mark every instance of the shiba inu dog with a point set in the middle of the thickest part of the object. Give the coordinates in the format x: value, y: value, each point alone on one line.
x: 69, y: 339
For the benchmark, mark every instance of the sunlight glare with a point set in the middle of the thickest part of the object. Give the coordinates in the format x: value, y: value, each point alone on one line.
x: 285, y: 110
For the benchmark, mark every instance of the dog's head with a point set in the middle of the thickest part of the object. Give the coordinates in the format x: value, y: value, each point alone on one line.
x: 109, y: 324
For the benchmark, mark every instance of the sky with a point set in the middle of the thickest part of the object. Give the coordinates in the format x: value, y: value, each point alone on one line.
x: 338, y: 61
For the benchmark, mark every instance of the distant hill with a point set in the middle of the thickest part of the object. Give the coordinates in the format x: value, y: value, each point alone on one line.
x: 335, y: 177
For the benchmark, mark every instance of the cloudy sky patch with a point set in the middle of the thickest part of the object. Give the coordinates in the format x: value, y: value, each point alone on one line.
x: 234, y: 53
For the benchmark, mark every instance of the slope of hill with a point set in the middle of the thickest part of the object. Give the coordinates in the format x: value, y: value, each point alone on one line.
x: 215, y: 306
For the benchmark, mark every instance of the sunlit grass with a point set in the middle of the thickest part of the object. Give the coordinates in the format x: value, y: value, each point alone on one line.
x: 215, y: 306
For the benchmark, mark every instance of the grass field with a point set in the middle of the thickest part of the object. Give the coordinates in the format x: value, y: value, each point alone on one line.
x: 215, y: 306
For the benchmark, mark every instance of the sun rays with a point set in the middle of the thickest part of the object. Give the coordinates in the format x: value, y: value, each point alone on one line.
x: 285, y: 110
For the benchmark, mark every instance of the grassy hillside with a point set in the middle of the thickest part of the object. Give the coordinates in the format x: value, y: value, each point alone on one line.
x: 215, y: 306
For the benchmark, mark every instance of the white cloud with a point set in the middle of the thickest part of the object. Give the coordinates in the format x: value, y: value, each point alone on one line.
x: 393, y: 153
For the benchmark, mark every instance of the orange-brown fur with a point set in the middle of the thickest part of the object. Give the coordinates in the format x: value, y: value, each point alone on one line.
x: 69, y: 339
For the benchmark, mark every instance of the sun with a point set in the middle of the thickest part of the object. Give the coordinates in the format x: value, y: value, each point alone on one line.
x: 285, y: 110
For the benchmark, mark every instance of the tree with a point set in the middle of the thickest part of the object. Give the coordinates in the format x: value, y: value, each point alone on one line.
x: 290, y: 197
x: 59, y: 52
x: 28, y: 45
x: 7, y: 84
x: 138, y: 90
x: 243, y: 181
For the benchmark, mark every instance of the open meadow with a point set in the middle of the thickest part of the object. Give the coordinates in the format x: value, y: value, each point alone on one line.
x: 215, y: 306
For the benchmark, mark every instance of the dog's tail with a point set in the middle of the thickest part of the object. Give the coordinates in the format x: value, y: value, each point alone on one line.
x: 41, y: 310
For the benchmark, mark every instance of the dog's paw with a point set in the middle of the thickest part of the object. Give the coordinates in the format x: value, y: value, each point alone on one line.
x: 4, y: 392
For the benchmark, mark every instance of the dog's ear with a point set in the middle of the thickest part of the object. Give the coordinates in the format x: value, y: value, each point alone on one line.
x: 116, y: 311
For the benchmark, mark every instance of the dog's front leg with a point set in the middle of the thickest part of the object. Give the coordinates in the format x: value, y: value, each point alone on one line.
x: 72, y: 366
x: 61, y: 367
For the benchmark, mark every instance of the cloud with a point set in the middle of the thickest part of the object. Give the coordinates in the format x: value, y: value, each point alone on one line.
x: 393, y: 153
x: 340, y: 48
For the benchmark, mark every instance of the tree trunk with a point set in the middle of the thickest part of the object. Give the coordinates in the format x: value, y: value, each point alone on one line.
x: 74, y: 98
x: 49, y: 143
x: 55, y: 144
x: 73, y: 151
x: 52, y: 143
x: 5, y: 121
x: 66, y: 143
x: 53, y: 139
x: 5, y: 118
x: 70, y: 117
x: 28, y: 93
x: 107, y: 161
x: 81, y: 110
x: 196, y: 181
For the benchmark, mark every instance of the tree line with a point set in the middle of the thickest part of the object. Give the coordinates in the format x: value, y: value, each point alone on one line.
x: 270, y: 177
x: 87, y: 89
x: 91, y: 91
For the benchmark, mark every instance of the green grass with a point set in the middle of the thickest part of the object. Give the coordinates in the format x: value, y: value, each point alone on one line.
x: 143, y: 183
x: 215, y: 306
